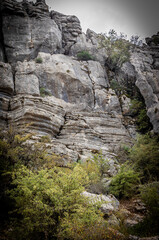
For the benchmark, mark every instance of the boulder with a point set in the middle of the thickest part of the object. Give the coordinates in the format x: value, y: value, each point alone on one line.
x: 108, y: 203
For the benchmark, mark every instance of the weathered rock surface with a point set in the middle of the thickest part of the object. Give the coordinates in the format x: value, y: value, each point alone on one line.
x: 6, y: 79
x: 24, y: 37
x: 142, y: 72
x: 89, y: 42
x: 109, y: 202
x: 70, y: 28
x: 25, y: 81
x: 28, y: 29
x: 147, y: 80
x: 39, y: 9
x: 81, y: 116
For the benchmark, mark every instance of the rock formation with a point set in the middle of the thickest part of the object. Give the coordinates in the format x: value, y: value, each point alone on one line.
x: 77, y: 108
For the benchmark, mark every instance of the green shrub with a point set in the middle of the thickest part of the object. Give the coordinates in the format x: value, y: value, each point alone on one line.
x: 44, y: 92
x: 150, y: 196
x: 49, y: 203
x: 84, y: 56
x: 124, y: 183
x: 144, y: 154
x: 138, y: 110
x: 39, y: 60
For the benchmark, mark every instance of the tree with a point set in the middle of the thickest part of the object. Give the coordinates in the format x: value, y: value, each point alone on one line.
x: 117, y: 48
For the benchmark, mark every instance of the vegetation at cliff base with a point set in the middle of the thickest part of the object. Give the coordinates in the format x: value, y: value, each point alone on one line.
x: 40, y: 200
x: 124, y: 183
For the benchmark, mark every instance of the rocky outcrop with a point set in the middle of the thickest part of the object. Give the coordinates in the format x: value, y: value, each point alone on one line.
x: 90, y: 42
x: 6, y: 79
x: 82, y: 116
x: 39, y: 9
x: 147, y: 80
x: 142, y: 73
x: 109, y: 203
x: 70, y: 28
x: 24, y: 37
x: 28, y: 29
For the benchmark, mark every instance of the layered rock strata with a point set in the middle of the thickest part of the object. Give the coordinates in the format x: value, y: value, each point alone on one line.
x: 82, y: 115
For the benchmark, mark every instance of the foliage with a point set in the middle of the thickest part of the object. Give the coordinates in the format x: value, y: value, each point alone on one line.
x: 44, y: 197
x: 45, y: 200
x: 44, y: 92
x: 79, y: 228
x: 149, y: 193
x: 39, y: 60
x: 138, y: 110
x: 117, y: 48
x: 84, y: 56
x: 118, y: 88
x: 150, y: 196
x: 145, y: 154
x: 123, y: 184
x: 96, y: 167
x: 102, y: 163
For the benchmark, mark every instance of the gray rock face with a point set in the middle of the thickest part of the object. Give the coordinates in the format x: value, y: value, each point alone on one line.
x: 89, y: 42
x: 45, y: 116
x: 81, y: 116
x: 142, y: 72
x: 109, y: 202
x: 147, y: 80
x: 70, y: 28
x: 25, y: 81
x: 6, y: 79
x: 74, y: 81
x: 24, y: 37
x: 39, y: 9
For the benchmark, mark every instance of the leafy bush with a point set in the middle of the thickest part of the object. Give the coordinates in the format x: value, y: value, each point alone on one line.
x: 44, y: 92
x: 145, y: 154
x: 39, y: 60
x: 124, y: 183
x: 84, y: 56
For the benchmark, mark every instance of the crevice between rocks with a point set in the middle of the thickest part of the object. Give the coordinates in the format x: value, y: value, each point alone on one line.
x: 61, y: 127
x: 14, y: 72
x: 93, y: 84
x: 2, y: 45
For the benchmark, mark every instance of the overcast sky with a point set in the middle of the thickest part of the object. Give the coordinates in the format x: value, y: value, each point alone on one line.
x: 128, y: 16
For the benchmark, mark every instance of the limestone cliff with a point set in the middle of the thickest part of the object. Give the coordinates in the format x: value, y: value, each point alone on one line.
x: 68, y: 99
